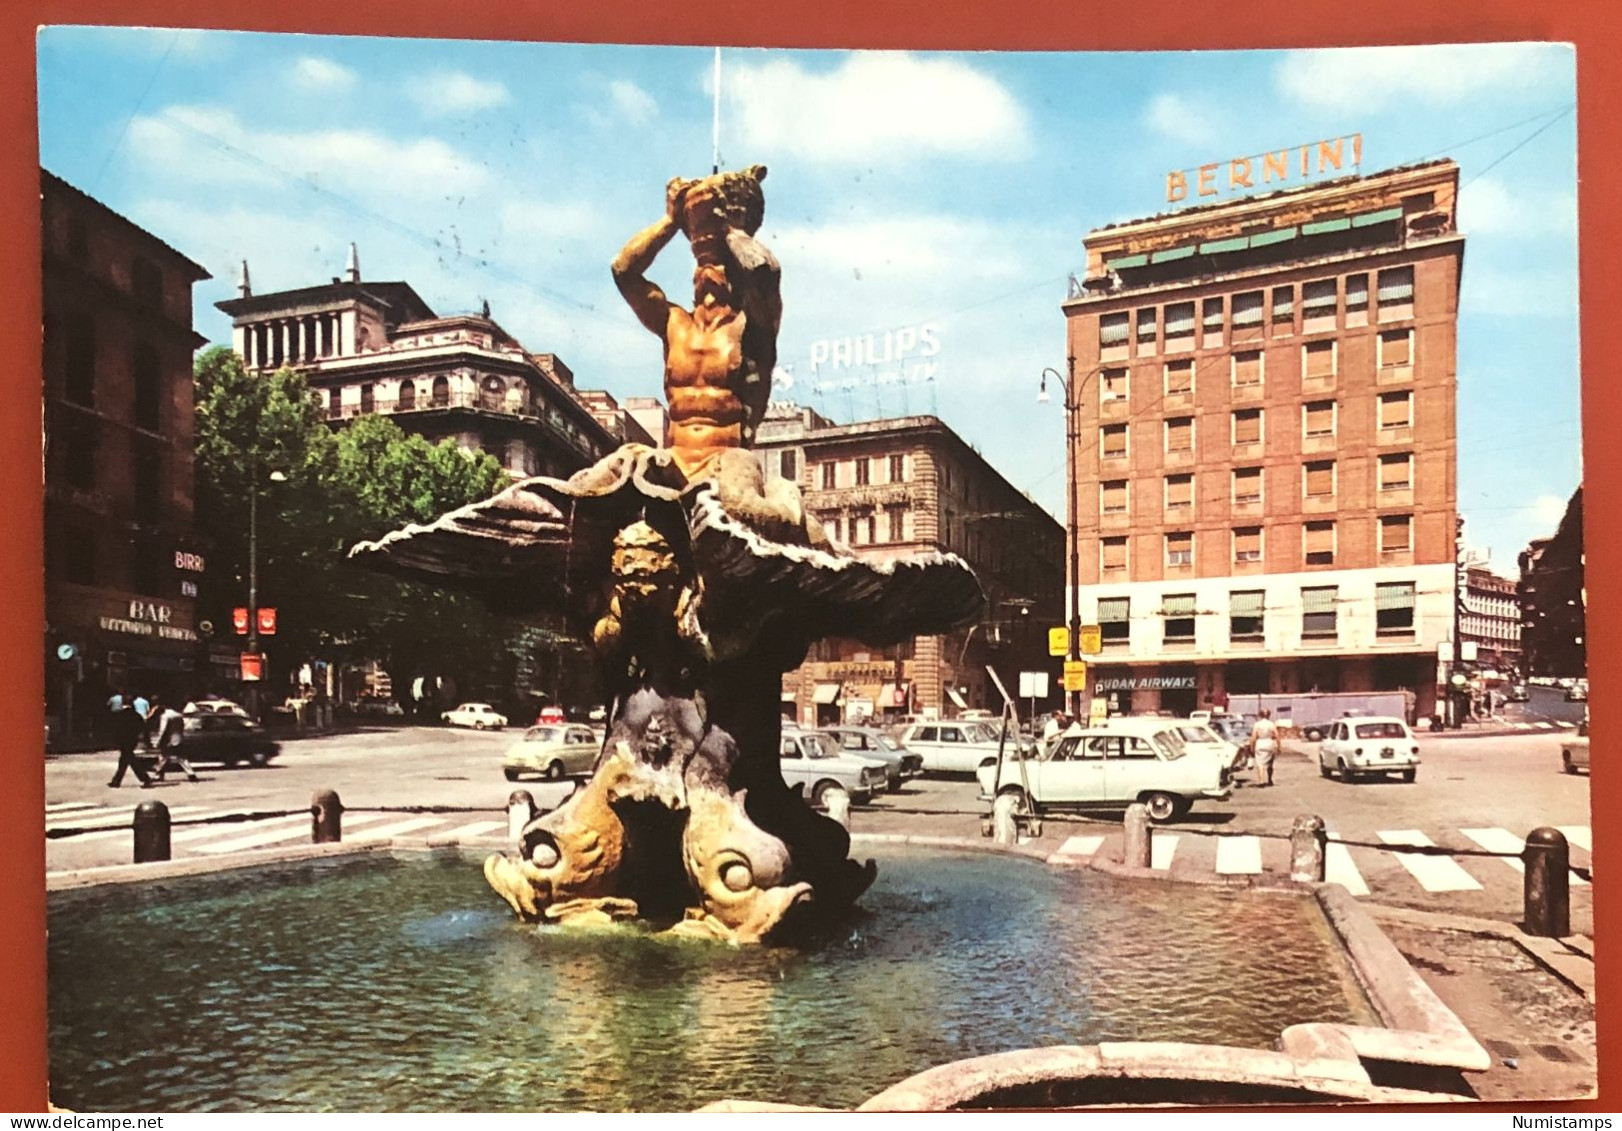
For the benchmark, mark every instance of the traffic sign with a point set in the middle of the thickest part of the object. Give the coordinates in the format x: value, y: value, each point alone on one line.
x: 1075, y: 675
x: 267, y: 621
x: 239, y: 620
x: 1092, y: 640
x: 1058, y: 641
x: 252, y: 667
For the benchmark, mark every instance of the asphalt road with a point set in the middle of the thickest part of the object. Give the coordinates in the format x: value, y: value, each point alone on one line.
x: 1472, y: 793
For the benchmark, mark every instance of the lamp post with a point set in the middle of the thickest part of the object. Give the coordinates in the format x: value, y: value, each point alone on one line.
x: 253, y: 581
x: 1072, y: 406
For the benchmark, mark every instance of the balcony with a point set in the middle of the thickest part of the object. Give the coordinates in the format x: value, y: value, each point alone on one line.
x: 469, y: 402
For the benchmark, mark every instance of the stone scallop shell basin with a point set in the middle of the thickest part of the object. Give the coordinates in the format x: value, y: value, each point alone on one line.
x: 395, y: 981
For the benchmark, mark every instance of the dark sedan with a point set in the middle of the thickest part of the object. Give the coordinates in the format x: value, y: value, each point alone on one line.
x: 867, y: 742
x: 226, y: 738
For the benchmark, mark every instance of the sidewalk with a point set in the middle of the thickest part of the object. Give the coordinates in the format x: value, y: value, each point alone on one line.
x: 1498, y: 728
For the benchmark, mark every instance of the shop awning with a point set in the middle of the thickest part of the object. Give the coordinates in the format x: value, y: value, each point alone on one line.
x: 957, y: 700
x: 1322, y: 227
x: 1138, y: 260
x: 1383, y: 216
x: 1213, y: 247
x: 826, y: 693
x: 1171, y: 253
x: 789, y: 697
x: 896, y: 695
x: 1277, y: 235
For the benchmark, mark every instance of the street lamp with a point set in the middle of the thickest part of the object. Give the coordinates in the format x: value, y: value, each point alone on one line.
x: 253, y: 581
x: 1072, y: 406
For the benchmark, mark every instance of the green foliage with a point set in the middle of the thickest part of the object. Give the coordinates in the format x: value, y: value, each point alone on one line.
x: 335, y: 489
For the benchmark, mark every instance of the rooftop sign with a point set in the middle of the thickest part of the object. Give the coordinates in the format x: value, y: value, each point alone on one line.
x: 1207, y: 183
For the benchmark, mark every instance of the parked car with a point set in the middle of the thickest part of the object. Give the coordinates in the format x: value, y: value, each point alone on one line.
x: 479, y: 716
x: 1517, y: 693
x: 1202, y: 739
x: 1369, y: 747
x: 549, y: 715
x: 815, y: 760
x: 213, y: 706
x: 1577, y: 692
x: 225, y: 737
x: 1110, y: 766
x: 900, y: 764
x: 1574, y: 750
x: 552, y: 752
x: 957, y: 746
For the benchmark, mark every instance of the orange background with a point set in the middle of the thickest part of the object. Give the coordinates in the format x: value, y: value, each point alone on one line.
x: 1594, y: 25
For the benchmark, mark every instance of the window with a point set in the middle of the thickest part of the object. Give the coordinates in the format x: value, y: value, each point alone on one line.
x: 1211, y: 322
x: 148, y: 374
x: 1113, y: 496
x: 1396, y: 348
x: 1283, y: 309
x: 1357, y: 300
x: 830, y: 475
x: 1318, y: 418
x: 1180, y: 434
x: 408, y: 396
x: 1148, y: 320
x: 898, y: 469
x: 335, y: 403
x: 1247, y: 311
x: 1394, y: 607
x: 1247, y: 485
x: 1247, y: 544
x: 866, y: 529
x: 1179, y: 491
x: 1396, y: 294
x: 1179, y: 326
x: 81, y: 360
x: 1318, y: 543
x: 1318, y: 306
x: 491, y: 395
x: 1180, y: 548
x: 1318, y: 360
x: 1247, y: 368
x: 1179, y: 376
x: 1318, y: 611
x: 1245, y: 614
x: 441, y: 394
x: 146, y: 283
x: 1177, y: 611
x: 1396, y: 533
x: 1396, y: 410
x: 80, y: 443
x: 1112, y: 553
x: 1112, y: 385
x: 1114, y: 618
x: 896, y: 521
x: 1112, y: 333
x: 1113, y: 438
x: 148, y: 484
x: 1397, y: 471
x: 367, y: 397
x: 1247, y: 426
x: 1319, y: 478
x: 864, y: 471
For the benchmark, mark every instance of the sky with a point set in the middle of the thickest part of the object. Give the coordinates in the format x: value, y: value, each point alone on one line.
x: 951, y: 190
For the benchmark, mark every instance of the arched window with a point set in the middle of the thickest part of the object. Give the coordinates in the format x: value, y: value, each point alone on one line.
x: 408, y: 396
x: 442, y: 391
x: 493, y: 395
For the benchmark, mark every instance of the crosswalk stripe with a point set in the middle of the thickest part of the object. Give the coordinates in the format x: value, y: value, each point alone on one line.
x: 1580, y: 835
x: 63, y: 806
x: 1239, y: 855
x: 107, y: 818
x: 400, y: 828
x: 1567, y: 726
x: 263, y: 832
x: 1340, y: 869
x: 1434, y: 873
x: 1544, y: 726
x: 479, y: 828
x: 1080, y: 846
x: 1161, y: 850
x: 1502, y: 840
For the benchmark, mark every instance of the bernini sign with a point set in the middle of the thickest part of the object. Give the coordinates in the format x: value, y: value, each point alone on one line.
x: 1261, y: 170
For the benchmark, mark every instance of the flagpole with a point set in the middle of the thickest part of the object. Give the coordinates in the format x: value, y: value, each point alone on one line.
x: 715, y: 128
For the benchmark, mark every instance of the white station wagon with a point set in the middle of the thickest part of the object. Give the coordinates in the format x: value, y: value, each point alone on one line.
x: 1111, y: 766
x: 1368, y: 747
x: 956, y: 746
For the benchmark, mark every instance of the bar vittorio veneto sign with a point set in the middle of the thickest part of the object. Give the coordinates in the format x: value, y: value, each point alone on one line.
x: 140, y: 616
x: 1279, y: 168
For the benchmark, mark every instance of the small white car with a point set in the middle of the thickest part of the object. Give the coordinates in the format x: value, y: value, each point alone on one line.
x: 956, y: 746
x: 1111, y: 766
x: 817, y: 762
x: 1368, y: 747
x: 1574, y: 750
x: 479, y: 716
x: 553, y: 752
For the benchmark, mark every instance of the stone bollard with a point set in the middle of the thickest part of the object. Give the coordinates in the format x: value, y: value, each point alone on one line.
x: 1139, y: 852
x: 1005, y: 818
x: 837, y: 802
x: 326, y: 817
x: 151, y: 832
x: 1548, y: 884
x: 1308, y: 841
x: 520, y: 812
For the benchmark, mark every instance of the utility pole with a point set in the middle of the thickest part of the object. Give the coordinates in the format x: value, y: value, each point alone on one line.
x: 1072, y: 406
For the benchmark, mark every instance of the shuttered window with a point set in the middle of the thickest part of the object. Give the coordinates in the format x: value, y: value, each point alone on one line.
x: 1318, y: 359
x: 1179, y: 491
x: 1397, y: 471
x: 1318, y: 305
x: 1320, y: 478
x: 1180, y: 549
x: 1247, y: 309
x: 1247, y: 426
x: 1247, y: 544
x: 1180, y: 434
x: 1247, y: 368
x: 1113, y: 553
x: 1247, y: 485
x: 1396, y: 410
x: 1179, y: 377
x: 1179, y: 328
x: 1318, y: 543
x: 1178, y: 611
x: 1357, y: 300
x: 1318, y: 418
x: 830, y: 476
x: 1396, y: 348
x: 1394, y: 607
x: 1147, y: 322
x: 1318, y: 611
x: 1114, y: 617
x: 1112, y: 384
x: 1396, y: 532
x: 1245, y: 614
x: 1283, y: 309
x: 1112, y: 329
x: 1114, y: 496
x: 1113, y: 440
x: 1211, y: 321
x: 1396, y: 285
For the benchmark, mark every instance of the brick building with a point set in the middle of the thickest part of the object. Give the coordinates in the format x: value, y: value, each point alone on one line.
x: 904, y: 486
x: 122, y: 566
x: 1554, y: 599
x: 1490, y: 618
x: 1266, y: 441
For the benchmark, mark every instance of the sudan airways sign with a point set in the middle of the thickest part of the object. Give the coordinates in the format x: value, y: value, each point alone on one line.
x: 1281, y: 168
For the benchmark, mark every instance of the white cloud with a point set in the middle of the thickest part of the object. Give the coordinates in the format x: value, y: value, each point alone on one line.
x: 311, y: 72
x: 876, y: 106
x: 893, y: 248
x: 1369, y: 78
x: 633, y: 103
x: 1489, y: 207
x: 354, y: 161
x: 554, y: 221
x: 1179, y: 118
x: 455, y: 92
x: 1548, y: 510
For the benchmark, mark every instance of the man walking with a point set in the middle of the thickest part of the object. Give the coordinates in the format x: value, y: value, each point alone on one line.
x: 167, y: 735
x: 1264, y: 737
x: 128, y: 728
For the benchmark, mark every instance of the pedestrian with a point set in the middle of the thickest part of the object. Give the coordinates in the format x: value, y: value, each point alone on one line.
x: 127, y: 730
x: 1264, y: 737
x: 1054, y: 727
x: 169, y: 729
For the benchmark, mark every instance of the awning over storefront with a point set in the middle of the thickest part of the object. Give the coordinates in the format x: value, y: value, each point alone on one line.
x: 789, y: 697
x: 957, y: 700
x: 826, y: 693
x: 896, y: 695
